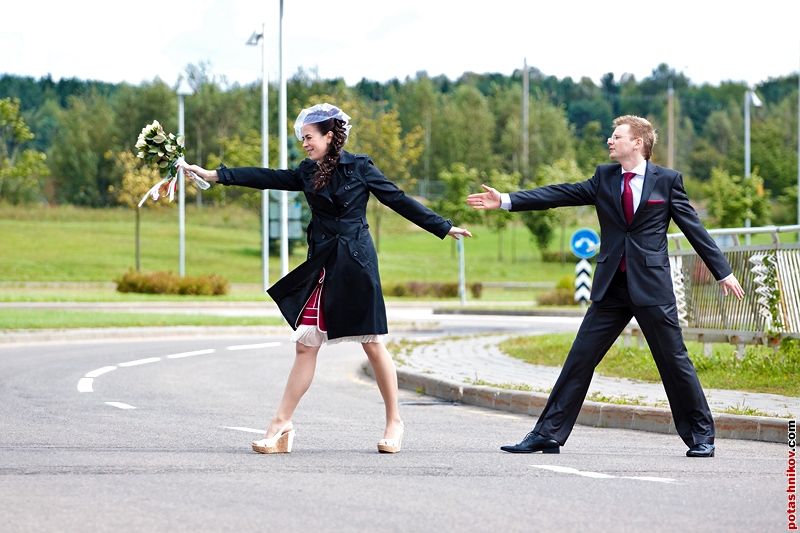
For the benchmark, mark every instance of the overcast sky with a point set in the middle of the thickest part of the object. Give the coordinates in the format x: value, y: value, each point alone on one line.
x: 119, y: 40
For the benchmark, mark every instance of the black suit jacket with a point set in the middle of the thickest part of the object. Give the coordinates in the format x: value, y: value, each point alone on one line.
x: 644, y: 240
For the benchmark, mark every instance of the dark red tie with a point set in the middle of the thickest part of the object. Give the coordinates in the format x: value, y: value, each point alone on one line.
x: 627, y: 206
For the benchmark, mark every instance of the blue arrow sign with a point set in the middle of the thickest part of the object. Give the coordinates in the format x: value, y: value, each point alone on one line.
x: 585, y: 243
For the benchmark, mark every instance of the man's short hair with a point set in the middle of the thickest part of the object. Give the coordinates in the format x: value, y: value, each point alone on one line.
x: 642, y: 129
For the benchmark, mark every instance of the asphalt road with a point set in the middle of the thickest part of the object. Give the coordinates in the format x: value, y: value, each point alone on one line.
x: 163, y: 445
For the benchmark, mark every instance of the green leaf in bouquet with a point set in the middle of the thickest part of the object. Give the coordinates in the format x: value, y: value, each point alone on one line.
x: 163, y: 164
x: 180, y: 140
x: 160, y: 138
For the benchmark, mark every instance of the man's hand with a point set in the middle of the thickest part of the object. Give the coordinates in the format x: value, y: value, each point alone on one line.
x: 485, y: 200
x: 732, y: 284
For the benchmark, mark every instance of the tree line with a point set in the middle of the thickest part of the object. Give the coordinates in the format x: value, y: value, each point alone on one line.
x: 71, y: 141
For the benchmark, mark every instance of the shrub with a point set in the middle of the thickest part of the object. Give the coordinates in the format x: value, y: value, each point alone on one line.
x: 552, y: 256
x: 476, y: 289
x: 421, y: 289
x: 558, y: 297
x: 418, y: 289
x: 397, y: 289
x: 169, y: 283
x: 566, y: 282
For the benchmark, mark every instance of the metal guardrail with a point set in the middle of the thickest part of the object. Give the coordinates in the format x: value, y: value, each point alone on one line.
x: 769, y: 274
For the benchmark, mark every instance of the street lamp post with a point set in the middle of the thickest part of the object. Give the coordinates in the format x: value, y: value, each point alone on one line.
x: 750, y: 98
x: 253, y: 41
x: 183, y: 90
x: 284, y: 163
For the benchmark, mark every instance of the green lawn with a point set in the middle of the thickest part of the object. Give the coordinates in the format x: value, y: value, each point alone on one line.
x: 68, y: 244
x: 11, y: 319
x: 761, y: 370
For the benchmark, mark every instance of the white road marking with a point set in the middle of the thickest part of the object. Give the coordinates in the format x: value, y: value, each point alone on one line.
x: 248, y: 430
x: 100, y: 371
x: 190, y: 354
x: 85, y: 385
x: 141, y: 361
x: 598, y: 475
x: 120, y: 405
x: 254, y: 346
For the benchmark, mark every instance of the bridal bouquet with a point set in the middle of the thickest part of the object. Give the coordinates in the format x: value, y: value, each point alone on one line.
x: 167, y: 151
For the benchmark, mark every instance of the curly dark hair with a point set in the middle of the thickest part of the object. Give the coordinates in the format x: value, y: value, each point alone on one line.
x: 327, y: 166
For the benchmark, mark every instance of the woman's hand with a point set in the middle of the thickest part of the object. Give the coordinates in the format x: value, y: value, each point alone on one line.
x: 455, y: 231
x: 485, y: 200
x: 208, y: 175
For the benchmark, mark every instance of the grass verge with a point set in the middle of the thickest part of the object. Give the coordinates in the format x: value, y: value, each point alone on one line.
x: 761, y: 369
x: 14, y: 319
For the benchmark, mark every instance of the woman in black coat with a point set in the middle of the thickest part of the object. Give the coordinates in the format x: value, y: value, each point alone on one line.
x: 335, y: 295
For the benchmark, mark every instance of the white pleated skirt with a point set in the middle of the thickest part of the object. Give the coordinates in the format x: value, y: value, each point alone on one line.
x: 313, y: 336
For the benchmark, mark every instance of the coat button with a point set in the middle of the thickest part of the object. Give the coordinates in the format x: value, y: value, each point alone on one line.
x: 323, y: 235
x: 347, y: 187
x: 355, y: 253
x: 628, y: 234
x: 336, y: 219
x: 345, y: 204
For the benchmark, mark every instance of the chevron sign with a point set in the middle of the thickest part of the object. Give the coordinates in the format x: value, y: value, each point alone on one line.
x: 583, y: 281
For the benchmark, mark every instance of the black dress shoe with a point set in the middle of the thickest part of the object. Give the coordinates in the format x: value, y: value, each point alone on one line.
x: 533, y: 442
x: 701, y: 450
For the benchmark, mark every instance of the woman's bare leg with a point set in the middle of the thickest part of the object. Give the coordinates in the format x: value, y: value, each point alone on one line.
x: 386, y: 377
x: 297, y: 384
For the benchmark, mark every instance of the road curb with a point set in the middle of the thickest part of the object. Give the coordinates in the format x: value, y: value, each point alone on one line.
x: 510, y: 312
x: 597, y: 414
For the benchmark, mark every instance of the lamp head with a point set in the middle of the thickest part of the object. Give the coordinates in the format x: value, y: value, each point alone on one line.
x: 253, y: 40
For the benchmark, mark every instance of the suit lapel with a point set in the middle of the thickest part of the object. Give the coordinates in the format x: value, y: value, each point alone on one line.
x: 650, y: 177
x: 615, y: 184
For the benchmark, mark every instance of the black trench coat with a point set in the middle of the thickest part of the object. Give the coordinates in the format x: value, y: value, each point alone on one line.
x: 339, y: 240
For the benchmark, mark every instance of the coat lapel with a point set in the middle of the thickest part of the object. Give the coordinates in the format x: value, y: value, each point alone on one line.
x: 308, y: 168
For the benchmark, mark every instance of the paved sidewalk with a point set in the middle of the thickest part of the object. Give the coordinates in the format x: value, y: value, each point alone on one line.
x: 450, y: 369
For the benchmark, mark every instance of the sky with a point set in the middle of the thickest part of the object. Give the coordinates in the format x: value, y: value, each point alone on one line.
x: 710, y: 41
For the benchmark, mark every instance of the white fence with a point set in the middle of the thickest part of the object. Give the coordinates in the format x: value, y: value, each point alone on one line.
x: 769, y: 274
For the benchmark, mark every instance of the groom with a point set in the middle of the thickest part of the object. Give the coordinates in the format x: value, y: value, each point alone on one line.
x: 635, y: 201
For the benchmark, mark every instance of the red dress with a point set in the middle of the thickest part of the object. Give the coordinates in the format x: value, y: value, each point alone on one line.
x: 312, y: 314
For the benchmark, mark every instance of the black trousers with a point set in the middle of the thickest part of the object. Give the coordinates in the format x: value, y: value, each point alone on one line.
x: 604, y: 322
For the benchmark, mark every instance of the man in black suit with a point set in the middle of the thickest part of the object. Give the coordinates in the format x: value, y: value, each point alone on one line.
x: 635, y: 201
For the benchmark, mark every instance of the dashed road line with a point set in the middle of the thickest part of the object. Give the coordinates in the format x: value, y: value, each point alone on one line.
x: 599, y: 475
x: 254, y: 346
x: 247, y: 430
x: 120, y: 405
x: 86, y: 383
x: 190, y: 354
x: 141, y: 361
x: 100, y: 371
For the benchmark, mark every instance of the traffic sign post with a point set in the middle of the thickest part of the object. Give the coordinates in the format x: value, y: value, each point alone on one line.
x: 583, y: 282
x: 584, y: 243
